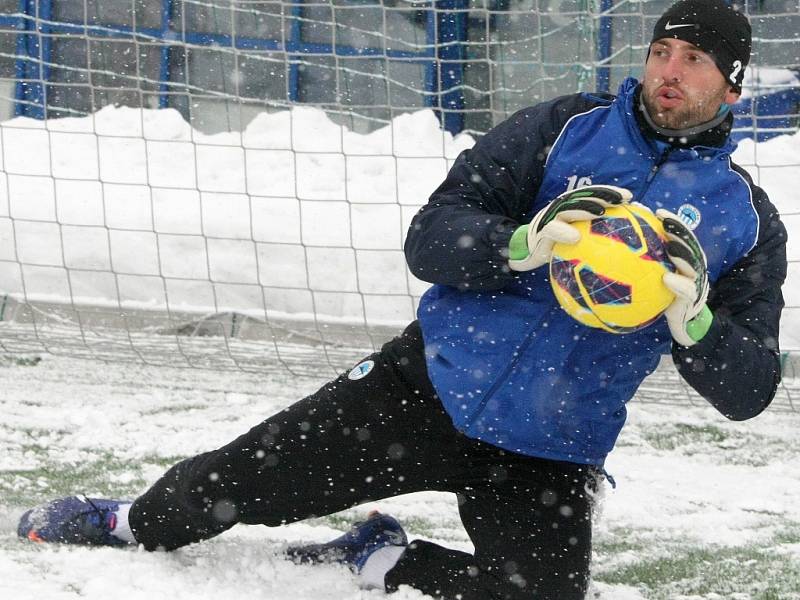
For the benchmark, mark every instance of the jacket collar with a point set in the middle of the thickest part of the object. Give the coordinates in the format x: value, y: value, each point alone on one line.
x: 712, y: 140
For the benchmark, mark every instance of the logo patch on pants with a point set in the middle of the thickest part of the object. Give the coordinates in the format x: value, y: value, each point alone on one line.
x: 361, y: 370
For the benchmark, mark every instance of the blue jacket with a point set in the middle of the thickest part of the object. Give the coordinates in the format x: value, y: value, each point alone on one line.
x: 509, y: 365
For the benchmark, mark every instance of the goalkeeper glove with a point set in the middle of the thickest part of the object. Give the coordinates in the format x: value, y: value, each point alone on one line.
x: 532, y: 245
x: 688, y: 317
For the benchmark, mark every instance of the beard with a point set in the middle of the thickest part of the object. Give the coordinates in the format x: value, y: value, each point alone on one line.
x: 692, y: 112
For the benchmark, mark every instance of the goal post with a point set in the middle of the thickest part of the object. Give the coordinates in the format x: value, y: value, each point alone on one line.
x: 227, y: 183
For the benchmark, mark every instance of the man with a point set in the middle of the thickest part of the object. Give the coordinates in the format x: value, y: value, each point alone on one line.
x: 495, y: 393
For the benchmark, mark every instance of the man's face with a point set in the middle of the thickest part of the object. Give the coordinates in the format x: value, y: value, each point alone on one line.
x: 682, y: 86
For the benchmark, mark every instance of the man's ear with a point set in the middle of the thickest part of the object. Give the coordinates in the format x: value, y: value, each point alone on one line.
x: 731, y: 96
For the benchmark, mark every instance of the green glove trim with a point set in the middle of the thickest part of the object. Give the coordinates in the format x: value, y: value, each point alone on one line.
x: 518, y: 244
x: 698, y: 327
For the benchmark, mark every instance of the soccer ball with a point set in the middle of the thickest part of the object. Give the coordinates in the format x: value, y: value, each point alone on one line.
x: 612, y: 278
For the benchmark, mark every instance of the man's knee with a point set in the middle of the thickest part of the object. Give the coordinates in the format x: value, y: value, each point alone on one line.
x: 446, y: 574
x: 205, y: 489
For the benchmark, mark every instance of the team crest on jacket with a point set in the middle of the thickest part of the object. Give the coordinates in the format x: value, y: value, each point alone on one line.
x: 689, y: 216
x: 361, y: 370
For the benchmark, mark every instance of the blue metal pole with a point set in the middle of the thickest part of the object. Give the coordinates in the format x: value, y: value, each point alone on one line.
x: 36, y: 48
x: 295, y: 41
x: 431, y: 78
x: 165, y: 53
x: 604, y: 45
x: 22, y: 63
x: 45, y: 57
x: 450, y: 51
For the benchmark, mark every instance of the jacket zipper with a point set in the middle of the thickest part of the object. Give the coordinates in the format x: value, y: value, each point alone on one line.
x: 500, y: 380
x: 657, y: 165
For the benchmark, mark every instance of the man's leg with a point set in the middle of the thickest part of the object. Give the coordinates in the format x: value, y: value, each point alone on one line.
x: 530, y: 522
x: 351, y: 442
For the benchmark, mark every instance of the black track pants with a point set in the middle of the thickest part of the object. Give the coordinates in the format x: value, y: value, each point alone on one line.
x: 387, y: 434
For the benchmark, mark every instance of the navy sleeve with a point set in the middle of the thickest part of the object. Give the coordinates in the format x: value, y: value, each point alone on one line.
x: 460, y: 237
x: 736, y: 366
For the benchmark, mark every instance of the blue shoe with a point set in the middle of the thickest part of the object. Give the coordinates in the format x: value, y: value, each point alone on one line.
x: 357, y: 545
x: 72, y: 520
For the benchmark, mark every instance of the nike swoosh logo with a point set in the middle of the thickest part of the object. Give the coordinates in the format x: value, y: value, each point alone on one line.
x: 669, y: 27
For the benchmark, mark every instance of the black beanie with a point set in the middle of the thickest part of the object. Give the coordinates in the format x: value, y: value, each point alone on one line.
x: 715, y: 28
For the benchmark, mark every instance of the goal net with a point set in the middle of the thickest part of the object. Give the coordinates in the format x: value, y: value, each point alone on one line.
x: 227, y: 183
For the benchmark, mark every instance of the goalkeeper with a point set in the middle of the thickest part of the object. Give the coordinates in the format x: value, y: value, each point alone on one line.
x: 495, y: 393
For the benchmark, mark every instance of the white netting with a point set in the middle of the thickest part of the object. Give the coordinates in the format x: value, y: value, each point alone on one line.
x: 245, y: 171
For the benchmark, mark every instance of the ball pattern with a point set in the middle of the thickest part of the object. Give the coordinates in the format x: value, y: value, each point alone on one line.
x: 612, y: 278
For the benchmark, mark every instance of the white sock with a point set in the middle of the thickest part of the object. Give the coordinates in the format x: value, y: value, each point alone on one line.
x: 378, y: 565
x: 123, y: 528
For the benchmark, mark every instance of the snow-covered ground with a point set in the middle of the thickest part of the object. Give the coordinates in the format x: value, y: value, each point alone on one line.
x: 704, y: 508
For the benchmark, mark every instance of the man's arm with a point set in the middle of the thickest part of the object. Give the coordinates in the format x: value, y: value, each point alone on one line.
x: 736, y: 365
x: 461, y: 237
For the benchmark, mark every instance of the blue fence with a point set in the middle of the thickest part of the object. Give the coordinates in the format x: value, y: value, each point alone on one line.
x: 452, y: 66
x: 766, y: 115
x: 443, y: 53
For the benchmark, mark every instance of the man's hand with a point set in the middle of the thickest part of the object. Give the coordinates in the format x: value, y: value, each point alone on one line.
x: 688, y: 316
x: 532, y: 245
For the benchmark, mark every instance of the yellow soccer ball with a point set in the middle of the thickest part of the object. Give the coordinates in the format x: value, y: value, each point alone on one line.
x: 612, y: 278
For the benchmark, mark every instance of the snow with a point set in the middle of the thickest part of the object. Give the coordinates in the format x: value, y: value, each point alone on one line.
x: 686, y: 479
x: 296, y: 201
x: 138, y: 192
x: 760, y: 80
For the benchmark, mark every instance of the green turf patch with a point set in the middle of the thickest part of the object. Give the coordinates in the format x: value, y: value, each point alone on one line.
x: 677, y: 436
x: 52, y: 480
x: 718, y: 444
x: 105, y: 475
x: 18, y: 360
x: 757, y: 572
x: 620, y: 541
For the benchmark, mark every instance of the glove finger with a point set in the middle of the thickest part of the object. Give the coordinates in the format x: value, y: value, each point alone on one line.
x: 579, y: 214
x: 594, y: 209
x: 593, y: 199
x: 682, y: 244
x: 683, y: 259
x: 673, y: 227
x: 663, y: 213
x: 608, y: 195
x: 585, y: 205
x: 681, y: 285
x: 561, y: 232
x: 677, y: 231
